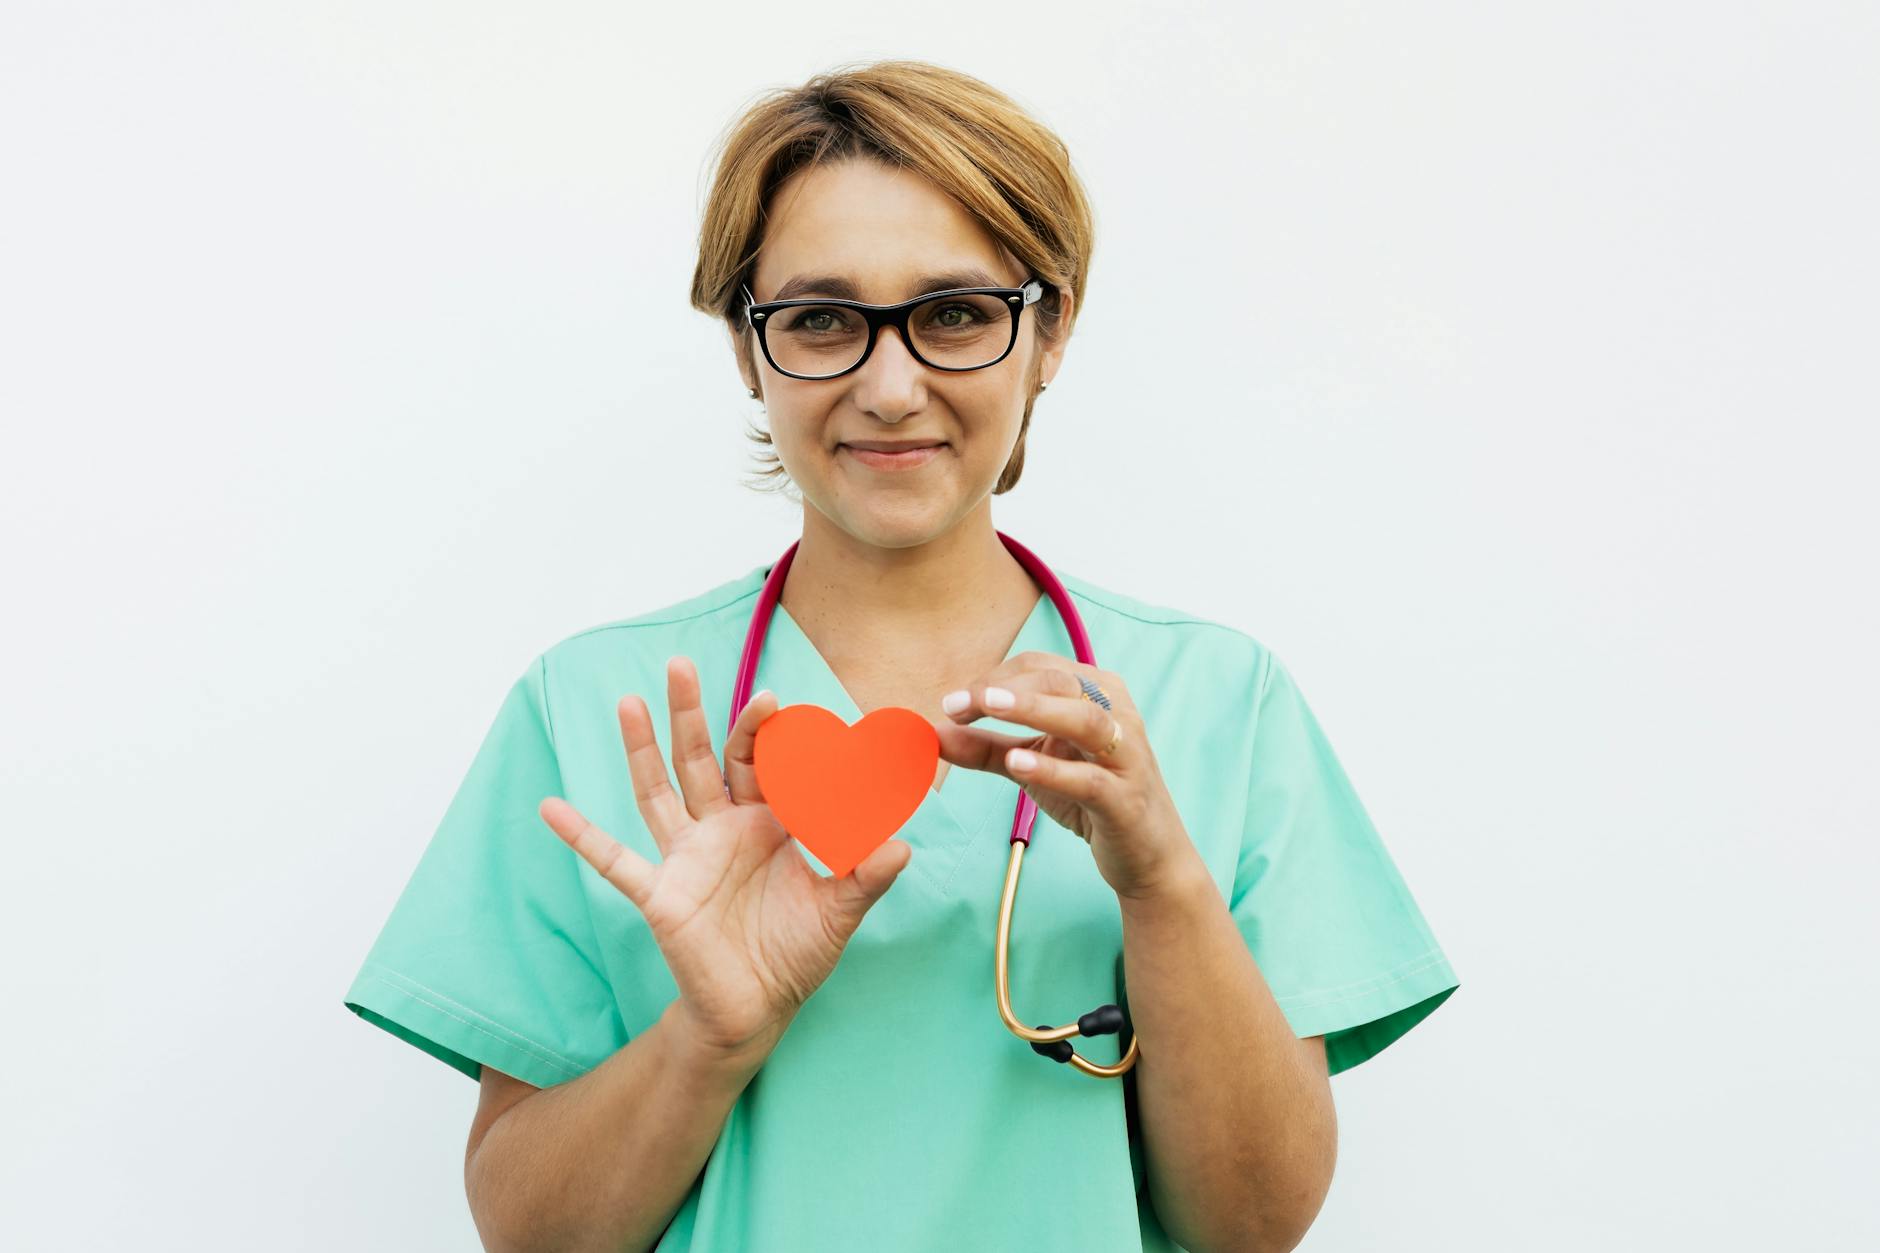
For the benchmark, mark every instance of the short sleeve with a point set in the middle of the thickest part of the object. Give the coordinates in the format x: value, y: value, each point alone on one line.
x: 1341, y: 942
x: 489, y: 957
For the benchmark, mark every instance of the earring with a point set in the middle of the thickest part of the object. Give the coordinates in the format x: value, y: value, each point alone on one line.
x: 1042, y: 386
x: 753, y: 393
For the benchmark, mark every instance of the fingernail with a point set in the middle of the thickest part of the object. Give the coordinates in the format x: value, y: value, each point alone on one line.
x: 999, y: 698
x: 759, y: 695
x: 1020, y: 759
x: 953, y: 702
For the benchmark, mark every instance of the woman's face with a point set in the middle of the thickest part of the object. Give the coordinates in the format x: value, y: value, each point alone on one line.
x: 885, y: 230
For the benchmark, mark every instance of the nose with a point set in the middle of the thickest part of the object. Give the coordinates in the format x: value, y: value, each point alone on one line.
x: 890, y: 347
x: 891, y: 382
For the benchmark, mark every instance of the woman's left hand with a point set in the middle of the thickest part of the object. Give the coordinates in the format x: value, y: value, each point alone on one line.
x: 1116, y: 801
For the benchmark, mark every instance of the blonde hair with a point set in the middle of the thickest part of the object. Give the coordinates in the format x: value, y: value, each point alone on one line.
x: 1011, y: 173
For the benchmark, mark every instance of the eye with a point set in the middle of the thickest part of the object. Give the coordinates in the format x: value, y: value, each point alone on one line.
x: 945, y: 316
x: 815, y: 319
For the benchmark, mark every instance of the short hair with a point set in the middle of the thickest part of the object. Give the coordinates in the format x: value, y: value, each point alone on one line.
x: 1009, y: 171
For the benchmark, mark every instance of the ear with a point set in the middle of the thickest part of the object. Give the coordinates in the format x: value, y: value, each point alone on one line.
x: 745, y: 370
x: 1053, y: 355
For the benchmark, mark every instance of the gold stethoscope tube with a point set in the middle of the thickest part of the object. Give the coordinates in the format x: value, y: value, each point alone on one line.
x: 1042, y: 1035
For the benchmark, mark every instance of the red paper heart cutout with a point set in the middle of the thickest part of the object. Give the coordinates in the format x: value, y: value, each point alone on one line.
x: 843, y: 790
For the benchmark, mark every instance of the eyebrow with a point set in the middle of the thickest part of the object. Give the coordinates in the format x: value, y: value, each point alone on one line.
x: 839, y: 287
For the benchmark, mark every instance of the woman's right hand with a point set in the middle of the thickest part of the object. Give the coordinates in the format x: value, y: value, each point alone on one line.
x: 747, y: 928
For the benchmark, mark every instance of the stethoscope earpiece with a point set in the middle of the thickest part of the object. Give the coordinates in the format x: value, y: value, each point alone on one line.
x: 1057, y: 1050
x: 1103, y: 1020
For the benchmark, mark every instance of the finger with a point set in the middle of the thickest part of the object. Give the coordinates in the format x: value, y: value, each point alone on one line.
x: 692, y: 756
x: 1037, y: 663
x: 1077, y: 720
x: 1003, y: 675
x: 618, y: 864
x: 1089, y: 785
x: 660, y: 807
x: 848, y: 897
x: 976, y: 748
x: 1033, y: 671
x: 741, y: 748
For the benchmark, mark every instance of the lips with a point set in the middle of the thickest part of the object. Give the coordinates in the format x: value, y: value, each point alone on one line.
x: 911, y: 457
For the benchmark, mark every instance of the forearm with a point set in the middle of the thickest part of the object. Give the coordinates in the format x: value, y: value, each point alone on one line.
x: 1239, y: 1132
x: 603, y: 1162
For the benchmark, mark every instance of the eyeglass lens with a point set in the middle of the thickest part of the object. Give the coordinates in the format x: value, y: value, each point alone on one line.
x: 958, y: 332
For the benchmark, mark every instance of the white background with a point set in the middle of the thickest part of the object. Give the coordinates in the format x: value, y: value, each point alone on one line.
x: 1511, y: 365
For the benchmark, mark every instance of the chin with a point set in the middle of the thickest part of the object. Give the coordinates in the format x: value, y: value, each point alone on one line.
x: 900, y: 525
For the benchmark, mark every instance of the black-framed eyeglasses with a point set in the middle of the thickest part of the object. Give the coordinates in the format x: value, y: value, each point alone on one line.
x: 963, y: 328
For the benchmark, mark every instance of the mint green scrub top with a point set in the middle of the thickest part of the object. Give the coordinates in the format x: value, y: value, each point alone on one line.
x: 898, y: 1112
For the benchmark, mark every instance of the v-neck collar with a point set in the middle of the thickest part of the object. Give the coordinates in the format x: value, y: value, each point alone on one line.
x: 969, y: 801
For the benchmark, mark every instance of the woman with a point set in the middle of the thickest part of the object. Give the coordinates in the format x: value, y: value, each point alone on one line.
x: 685, y: 1033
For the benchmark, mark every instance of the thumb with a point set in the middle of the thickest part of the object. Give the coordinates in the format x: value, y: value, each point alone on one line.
x: 855, y: 892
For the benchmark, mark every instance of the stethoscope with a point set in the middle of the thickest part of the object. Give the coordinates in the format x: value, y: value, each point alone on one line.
x: 1052, y: 1042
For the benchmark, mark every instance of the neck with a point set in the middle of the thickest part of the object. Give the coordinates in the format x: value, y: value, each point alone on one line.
x: 898, y: 600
